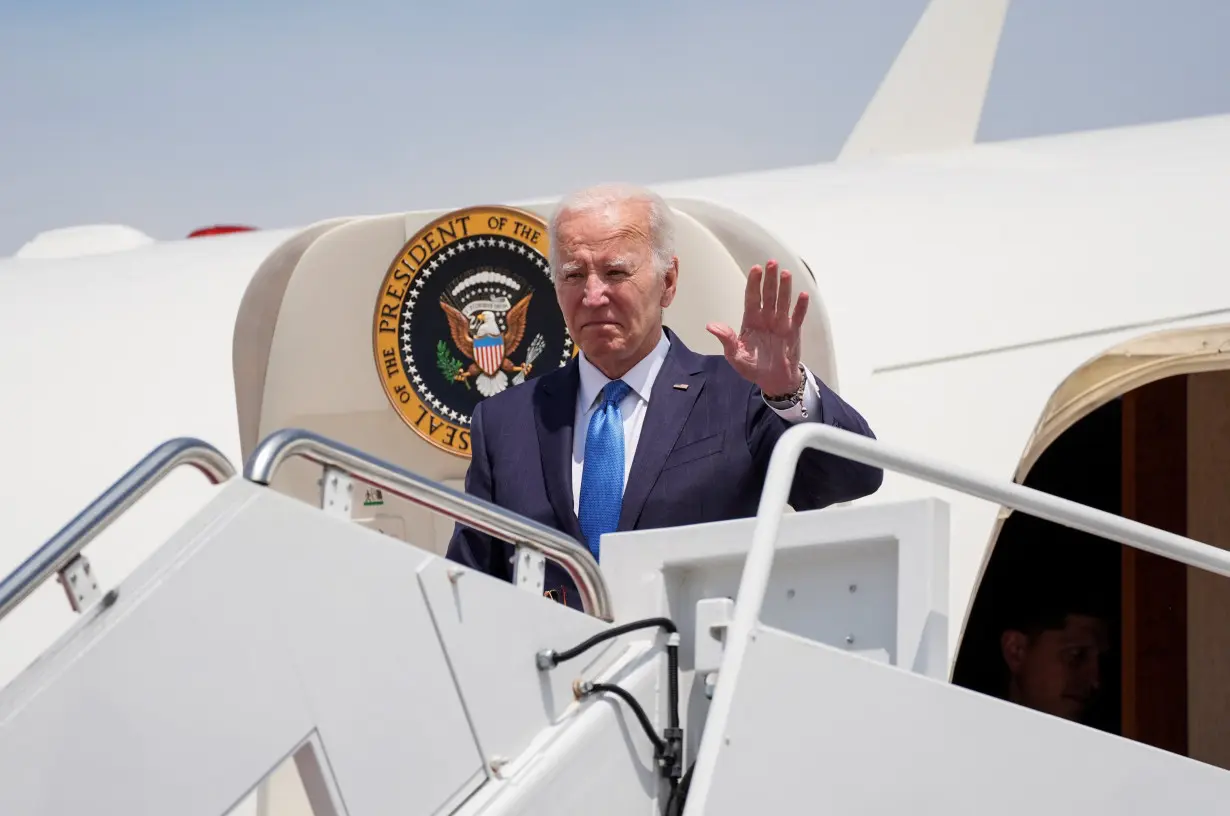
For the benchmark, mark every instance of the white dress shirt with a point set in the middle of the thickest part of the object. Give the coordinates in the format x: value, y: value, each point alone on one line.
x: 640, y: 379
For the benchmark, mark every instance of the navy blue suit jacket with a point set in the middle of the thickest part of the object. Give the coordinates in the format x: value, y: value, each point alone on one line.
x: 702, y: 456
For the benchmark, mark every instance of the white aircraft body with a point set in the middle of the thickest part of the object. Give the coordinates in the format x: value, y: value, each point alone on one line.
x: 974, y: 302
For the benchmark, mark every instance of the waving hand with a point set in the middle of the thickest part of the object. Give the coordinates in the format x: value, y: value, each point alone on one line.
x: 766, y: 350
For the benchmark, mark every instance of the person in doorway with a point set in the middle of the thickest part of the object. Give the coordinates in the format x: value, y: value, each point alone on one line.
x: 638, y: 431
x: 1052, y: 645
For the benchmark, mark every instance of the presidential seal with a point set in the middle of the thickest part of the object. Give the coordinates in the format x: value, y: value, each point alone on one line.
x: 466, y: 310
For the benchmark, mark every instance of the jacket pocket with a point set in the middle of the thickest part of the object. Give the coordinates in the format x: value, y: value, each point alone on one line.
x: 692, y: 451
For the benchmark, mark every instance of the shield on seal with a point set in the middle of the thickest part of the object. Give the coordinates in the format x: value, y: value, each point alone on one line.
x: 489, y: 353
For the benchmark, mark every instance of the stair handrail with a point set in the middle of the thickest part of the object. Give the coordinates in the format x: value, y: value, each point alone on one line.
x: 873, y: 452
x: 67, y: 544
x: 482, y: 515
x: 876, y: 453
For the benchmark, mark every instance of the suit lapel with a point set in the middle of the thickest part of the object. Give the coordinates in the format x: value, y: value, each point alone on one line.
x: 554, y: 410
x: 669, y: 408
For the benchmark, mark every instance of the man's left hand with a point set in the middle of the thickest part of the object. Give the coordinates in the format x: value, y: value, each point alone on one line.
x: 767, y: 348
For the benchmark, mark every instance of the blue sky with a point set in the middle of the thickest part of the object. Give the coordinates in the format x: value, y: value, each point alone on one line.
x: 278, y: 113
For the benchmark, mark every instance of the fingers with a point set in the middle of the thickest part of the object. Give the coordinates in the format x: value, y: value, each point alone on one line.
x: 768, y: 304
x: 800, y: 312
x: 726, y: 335
x: 751, y: 293
x: 781, y: 317
x: 767, y: 299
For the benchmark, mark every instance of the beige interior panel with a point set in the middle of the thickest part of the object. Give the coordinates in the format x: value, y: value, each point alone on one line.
x: 1130, y: 365
x: 1208, y: 595
x: 748, y: 244
x: 255, y: 324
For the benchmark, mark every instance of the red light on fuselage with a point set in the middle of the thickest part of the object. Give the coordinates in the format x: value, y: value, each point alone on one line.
x: 219, y: 229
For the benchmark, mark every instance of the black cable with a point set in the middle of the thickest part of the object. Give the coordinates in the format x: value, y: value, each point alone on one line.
x: 668, y: 749
x: 673, y: 734
x: 659, y: 745
x: 555, y: 658
x: 679, y: 795
x: 672, y: 669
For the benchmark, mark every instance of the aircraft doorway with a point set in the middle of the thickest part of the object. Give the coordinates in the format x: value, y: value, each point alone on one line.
x: 1160, y: 454
x: 1036, y: 564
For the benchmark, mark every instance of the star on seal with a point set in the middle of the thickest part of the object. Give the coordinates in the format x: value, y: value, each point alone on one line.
x: 453, y: 316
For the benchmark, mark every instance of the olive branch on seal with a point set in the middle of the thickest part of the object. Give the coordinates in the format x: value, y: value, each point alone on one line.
x: 448, y: 364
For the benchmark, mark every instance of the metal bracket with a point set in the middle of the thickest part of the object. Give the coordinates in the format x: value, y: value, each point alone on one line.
x: 336, y: 493
x: 530, y: 570
x: 58, y: 555
x: 77, y: 578
x: 713, y: 617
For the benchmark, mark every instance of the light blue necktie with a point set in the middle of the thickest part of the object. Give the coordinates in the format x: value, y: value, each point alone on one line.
x: 602, y: 475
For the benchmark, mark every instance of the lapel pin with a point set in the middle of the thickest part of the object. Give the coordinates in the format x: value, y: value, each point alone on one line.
x: 681, y: 386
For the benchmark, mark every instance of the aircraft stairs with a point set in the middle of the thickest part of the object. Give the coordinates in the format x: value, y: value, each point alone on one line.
x: 267, y: 629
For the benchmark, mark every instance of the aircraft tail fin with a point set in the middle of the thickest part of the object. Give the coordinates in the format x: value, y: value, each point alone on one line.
x: 932, y: 96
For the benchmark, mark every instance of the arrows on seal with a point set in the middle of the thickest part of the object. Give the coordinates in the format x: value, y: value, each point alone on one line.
x: 536, y: 348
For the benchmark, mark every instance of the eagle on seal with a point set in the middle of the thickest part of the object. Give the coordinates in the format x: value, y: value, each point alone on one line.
x: 480, y: 340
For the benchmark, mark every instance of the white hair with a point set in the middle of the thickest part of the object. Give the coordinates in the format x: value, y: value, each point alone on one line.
x: 605, y: 197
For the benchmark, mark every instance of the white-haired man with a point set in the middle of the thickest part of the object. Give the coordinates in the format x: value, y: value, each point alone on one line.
x: 638, y: 431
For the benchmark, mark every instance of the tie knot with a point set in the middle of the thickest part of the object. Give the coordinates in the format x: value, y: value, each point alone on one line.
x: 614, y: 392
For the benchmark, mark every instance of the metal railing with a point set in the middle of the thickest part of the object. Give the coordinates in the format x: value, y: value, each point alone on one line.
x: 481, y: 515
x: 65, y: 546
x: 852, y: 446
x: 1008, y: 494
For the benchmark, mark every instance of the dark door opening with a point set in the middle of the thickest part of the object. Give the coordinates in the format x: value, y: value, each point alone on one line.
x: 1033, y: 558
x: 1128, y: 457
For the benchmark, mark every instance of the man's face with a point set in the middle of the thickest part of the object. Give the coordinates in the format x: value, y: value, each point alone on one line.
x: 608, y: 289
x: 1056, y: 671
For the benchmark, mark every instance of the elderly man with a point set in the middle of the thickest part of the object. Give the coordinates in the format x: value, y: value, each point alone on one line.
x: 639, y: 431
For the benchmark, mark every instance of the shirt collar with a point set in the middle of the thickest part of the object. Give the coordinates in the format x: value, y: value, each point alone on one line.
x: 639, y: 378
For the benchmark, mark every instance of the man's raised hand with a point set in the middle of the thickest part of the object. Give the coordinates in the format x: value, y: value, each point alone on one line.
x: 766, y: 350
